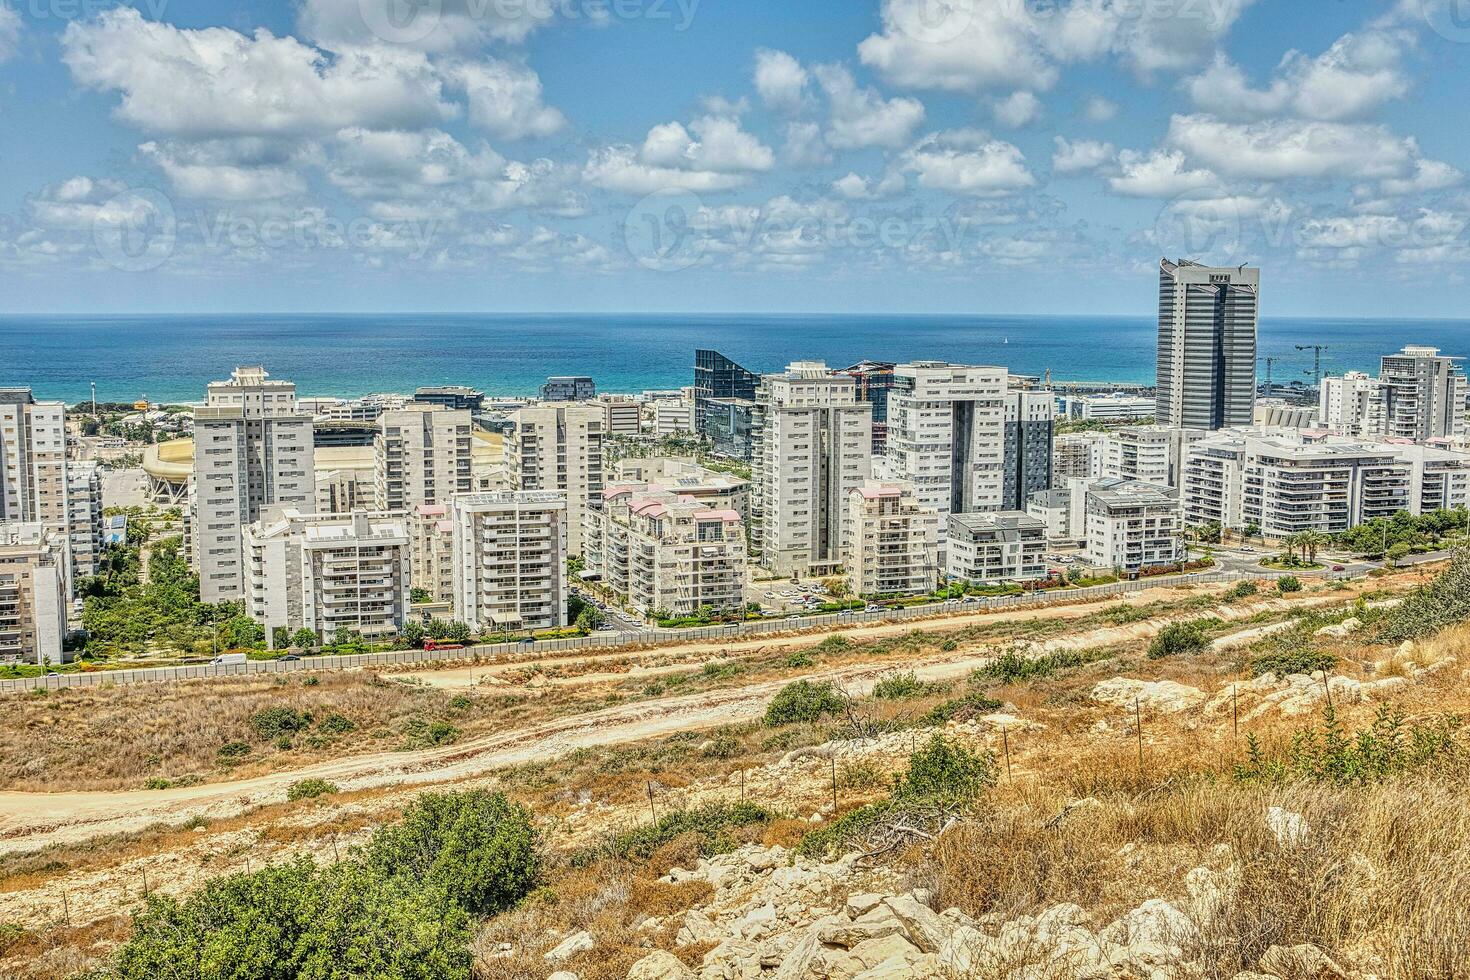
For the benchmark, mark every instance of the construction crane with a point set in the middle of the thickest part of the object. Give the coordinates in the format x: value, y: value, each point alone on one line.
x: 1316, y: 371
x: 1270, y: 363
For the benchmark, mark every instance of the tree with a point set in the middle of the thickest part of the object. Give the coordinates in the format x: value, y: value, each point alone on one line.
x: 1178, y: 638
x: 1396, y: 553
x: 1288, y: 584
x: 412, y: 633
x: 837, y: 586
x: 304, y: 638
x: 419, y: 596
x: 1311, y: 541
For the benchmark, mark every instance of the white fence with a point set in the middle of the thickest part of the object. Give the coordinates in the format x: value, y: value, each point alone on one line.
x: 611, y: 642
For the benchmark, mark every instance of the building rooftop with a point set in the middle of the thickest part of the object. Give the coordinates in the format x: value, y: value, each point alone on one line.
x: 1003, y: 520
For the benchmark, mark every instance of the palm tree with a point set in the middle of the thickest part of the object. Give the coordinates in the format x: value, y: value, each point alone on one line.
x: 1311, y: 541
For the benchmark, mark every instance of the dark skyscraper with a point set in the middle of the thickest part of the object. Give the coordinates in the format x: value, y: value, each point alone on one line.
x: 1207, y: 345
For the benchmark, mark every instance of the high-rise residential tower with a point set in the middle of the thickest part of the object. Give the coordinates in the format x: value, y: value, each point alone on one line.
x: 421, y: 455
x: 1030, y: 421
x: 558, y: 446
x: 33, y: 482
x: 812, y: 443
x: 1207, y: 345
x: 252, y: 450
x: 946, y: 434
x: 1420, y: 395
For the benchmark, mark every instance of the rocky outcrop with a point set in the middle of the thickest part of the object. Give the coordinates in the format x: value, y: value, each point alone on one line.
x: 1167, y: 697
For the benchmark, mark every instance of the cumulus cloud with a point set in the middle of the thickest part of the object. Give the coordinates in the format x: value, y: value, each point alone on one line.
x: 1098, y: 109
x: 860, y: 117
x: 1354, y: 76
x: 505, y: 99
x: 1158, y: 174
x: 1076, y: 156
x: 780, y: 80
x: 217, y: 82
x: 9, y: 31
x: 243, y: 169
x: 857, y: 188
x: 805, y: 145
x: 1016, y: 110
x: 1286, y: 148
x: 712, y: 154
x: 968, y: 162
x: 1429, y: 175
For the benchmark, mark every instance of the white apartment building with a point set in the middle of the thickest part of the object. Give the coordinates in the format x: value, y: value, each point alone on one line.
x: 252, y: 450
x: 35, y: 590
x: 1146, y: 453
x: 664, y: 552
x: 344, y: 477
x: 1280, y: 413
x: 431, y: 551
x: 1053, y: 508
x: 1001, y: 546
x: 510, y: 551
x: 327, y: 572
x: 946, y: 434
x: 1420, y: 395
x: 33, y: 482
x: 673, y: 416
x: 717, y: 491
x: 559, y: 447
x: 1285, y: 482
x: 891, y: 540
x: 84, y: 522
x: 1342, y: 403
x: 1132, y: 526
x: 623, y: 415
x: 812, y: 443
x: 421, y: 455
x: 1077, y: 455
x: 1117, y: 406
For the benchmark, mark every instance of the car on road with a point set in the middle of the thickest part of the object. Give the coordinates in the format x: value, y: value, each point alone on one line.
x: 228, y: 659
x: 1339, y: 568
x: 288, y: 658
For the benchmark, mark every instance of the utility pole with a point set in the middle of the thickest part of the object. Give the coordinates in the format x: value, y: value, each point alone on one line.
x: 1316, y: 372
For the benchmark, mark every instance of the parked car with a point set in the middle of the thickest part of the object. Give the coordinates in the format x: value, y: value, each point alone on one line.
x: 288, y: 658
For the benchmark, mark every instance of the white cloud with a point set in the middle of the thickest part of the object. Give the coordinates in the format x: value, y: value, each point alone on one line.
x: 857, y: 188
x: 246, y: 169
x: 1429, y: 175
x: 1284, y: 149
x: 1076, y: 156
x: 968, y: 162
x: 717, y: 143
x: 780, y: 80
x: 1354, y: 76
x: 860, y: 117
x: 1158, y: 174
x: 619, y: 168
x: 1017, y: 109
x: 439, y: 26
x: 805, y: 145
x: 505, y: 99
x: 9, y: 31
x: 217, y: 82
x: 1097, y: 109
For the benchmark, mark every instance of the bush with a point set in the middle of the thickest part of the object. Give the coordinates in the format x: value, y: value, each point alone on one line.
x: 336, y: 724
x: 1443, y: 602
x: 804, y: 701
x: 1241, y: 590
x: 942, y: 770
x: 1288, y: 584
x: 278, y: 720
x: 1178, y: 638
x: 476, y: 848
x: 1299, y: 660
x: 310, y: 789
x: 233, y: 750
x: 905, y: 687
x: 960, y: 709
x: 799, y: 659
x: 1010, y: 666
x: 712, y: 823
x: 1329, y: 754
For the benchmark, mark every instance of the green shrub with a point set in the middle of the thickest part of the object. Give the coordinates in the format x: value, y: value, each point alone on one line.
x: 1011, y: 666
x: 804, y: 701
x: 234, y: 750
x: 943, y: 770
x: 852, y: 826
x: 310, y: 789
x: 1124, y: 613
x: 1177, y: 638
x: 278, y: 720
x: 336, y: 724
x: 1329, y: 754
x: 835, y: 642
x: 476, y: 848
x: 713, y: 823
x: 905, y: 687
x: 1300, y: 660
x: 720, y: 747
x: 1288, y: 584
x: 964, y: 708
x: 799, y: 659
x: 1240, y: 590
x: 1429, y: 609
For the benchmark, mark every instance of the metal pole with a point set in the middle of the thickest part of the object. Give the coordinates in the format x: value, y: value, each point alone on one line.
x: 1005, y: 740
x: 834, y: 785
x: 1138, y: 727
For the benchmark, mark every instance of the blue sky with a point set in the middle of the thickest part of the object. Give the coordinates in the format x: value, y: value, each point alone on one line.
x: 1032, y: 156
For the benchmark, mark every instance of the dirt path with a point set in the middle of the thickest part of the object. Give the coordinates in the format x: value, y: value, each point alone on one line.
x: 30, y: 821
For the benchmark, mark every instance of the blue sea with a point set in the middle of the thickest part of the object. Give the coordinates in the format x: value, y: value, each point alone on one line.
x: 171, y: 358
